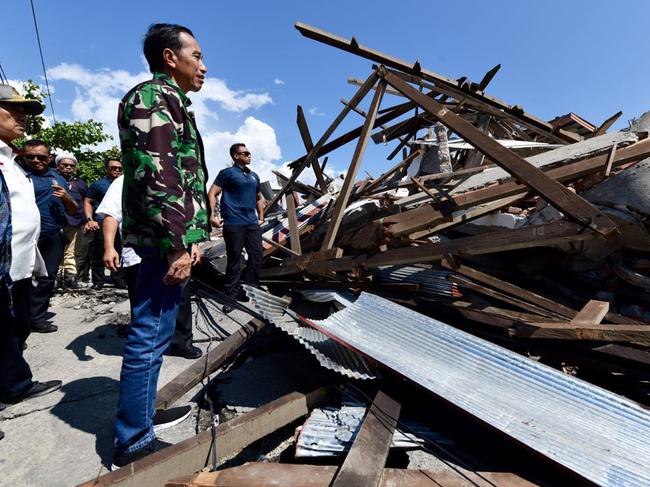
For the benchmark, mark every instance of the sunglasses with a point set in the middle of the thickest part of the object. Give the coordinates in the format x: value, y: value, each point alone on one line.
x: 66, y: 164
x: 115, y: 168
x: 38, y: 157
x: 247, y: 154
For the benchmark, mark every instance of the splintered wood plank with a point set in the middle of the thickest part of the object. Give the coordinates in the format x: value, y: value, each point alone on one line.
x: 280, y: 475
x: 191, y: 376
x: 402, y: 165
x: 294, y: 234
x: 364, y: 463
x: 592, y: 313
x: 314, y: 152
x: 555, y: 193
x: 303, y: 128
x: 499, y: 241
x: 191, y: 455
x: 570, y: 331
x: 350, y: 177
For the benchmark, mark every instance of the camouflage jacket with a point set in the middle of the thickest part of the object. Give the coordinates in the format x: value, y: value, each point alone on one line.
x: 164, y: 199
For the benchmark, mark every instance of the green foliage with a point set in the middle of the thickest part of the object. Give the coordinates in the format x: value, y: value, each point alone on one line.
x: 77, y: 138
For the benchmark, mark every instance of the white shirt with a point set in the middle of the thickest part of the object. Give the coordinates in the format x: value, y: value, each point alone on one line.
x: 111, y: 205
x: 26, y: 260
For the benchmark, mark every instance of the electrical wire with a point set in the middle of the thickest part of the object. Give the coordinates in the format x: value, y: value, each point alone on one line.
x: 40, y: 50
x: 402, y: 427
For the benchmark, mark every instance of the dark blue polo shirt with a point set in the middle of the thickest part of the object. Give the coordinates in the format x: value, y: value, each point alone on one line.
x: 50, y: 207
x: 239, y: 197
x: 78, y: 190
x: 96, y: 193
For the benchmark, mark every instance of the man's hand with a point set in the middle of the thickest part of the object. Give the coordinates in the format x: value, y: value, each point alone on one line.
x: 180, y: 267
x: 260, y: 222
x: 196, y: 254
x: 111, y: 260
x: 91, y: 226
x: 58, y: 191
x: 216, y: 222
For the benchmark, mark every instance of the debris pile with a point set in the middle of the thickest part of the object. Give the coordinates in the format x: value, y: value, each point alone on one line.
x: 498, y: 267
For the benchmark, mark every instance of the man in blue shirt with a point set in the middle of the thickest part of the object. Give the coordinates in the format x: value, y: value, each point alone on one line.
x: 53, y: 203
x: 240, y: 212
x: 92, y: 200
x: 66, y: 165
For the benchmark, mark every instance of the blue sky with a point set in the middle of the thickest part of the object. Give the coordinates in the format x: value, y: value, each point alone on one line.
x: 589, y: 57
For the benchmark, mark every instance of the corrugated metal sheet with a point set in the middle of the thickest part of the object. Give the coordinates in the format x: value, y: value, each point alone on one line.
x: 330, y: 431
x: 593, y: 432
x: 327, y: 295
x: 433, y: 282
x: 329, y: 354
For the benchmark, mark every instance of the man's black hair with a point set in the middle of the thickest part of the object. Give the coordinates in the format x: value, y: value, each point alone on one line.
x: 109, y: 159
x: 234, y: 147
x: 160, y: 37
x: 36, y: 143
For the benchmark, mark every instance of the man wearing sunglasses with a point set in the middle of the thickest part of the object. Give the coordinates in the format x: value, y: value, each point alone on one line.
x: 53, y: 203
x: 93, y: 224
x: 240, y: 212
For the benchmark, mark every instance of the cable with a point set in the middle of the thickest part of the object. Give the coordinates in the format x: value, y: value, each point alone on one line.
x: 403, y: 427
x: 40, y: 50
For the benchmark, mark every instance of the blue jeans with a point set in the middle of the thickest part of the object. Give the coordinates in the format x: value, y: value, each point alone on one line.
x: 155, y: 307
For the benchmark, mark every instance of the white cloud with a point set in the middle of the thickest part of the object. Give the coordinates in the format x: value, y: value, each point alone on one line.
x: 260, y: 139
x: 315, y: 112
x: 278, y: 81
x: 98, y: 93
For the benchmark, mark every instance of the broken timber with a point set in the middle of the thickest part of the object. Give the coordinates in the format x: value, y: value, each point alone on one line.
x: 364, y: 463
x: 190, y: 456
x: 555, y: 193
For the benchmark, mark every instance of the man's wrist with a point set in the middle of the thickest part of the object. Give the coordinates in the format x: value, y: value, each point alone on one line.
x: 89, y: 219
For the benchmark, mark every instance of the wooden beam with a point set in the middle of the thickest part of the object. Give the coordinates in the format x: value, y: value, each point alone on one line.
x: 488, y: 77
x: 440, y: 81
x: 344, y: 194
x: 610, y: 160
x: 287, y: 474
x: 203, y: 367
x: 426, y: 216
x: 190, y: 456
x: 499, y: 241
x: 303, y: 128
x: 555, y: 193
x: 592, y: 313
x: 314, y: 153
x: 397, y: 167
x: 279, y: 246
x: 364, y: 463
x: 568, y: 331
x: 294, y: 234
x: 606, y: 124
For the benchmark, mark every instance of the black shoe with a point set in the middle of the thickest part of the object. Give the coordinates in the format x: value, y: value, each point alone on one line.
x: 2, y: 435
x: 190, y: 352
x: 71, y: 283
x: 43, y: 327
x: 166, y: 418
x: 36, y: 390
x: 241, y: 296
x: 123, y: 459
x: 98, y: 285
x: 227, y: 309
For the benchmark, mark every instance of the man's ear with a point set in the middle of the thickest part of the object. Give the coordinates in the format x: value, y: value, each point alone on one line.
x: 169, y: 57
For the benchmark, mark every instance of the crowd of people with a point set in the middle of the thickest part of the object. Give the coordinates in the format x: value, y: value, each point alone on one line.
x: 142, y: 222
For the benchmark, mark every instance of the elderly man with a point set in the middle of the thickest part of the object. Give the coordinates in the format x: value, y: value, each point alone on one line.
x: 22, y: 256
x: 66, y: 165
x: 53, y: 203
x: 165, y: 216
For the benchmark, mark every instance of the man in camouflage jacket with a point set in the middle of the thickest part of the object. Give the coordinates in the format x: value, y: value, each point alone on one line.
x: 165, y: 216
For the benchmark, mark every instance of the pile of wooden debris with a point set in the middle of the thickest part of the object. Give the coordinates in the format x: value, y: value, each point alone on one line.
x: 498, y: 266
